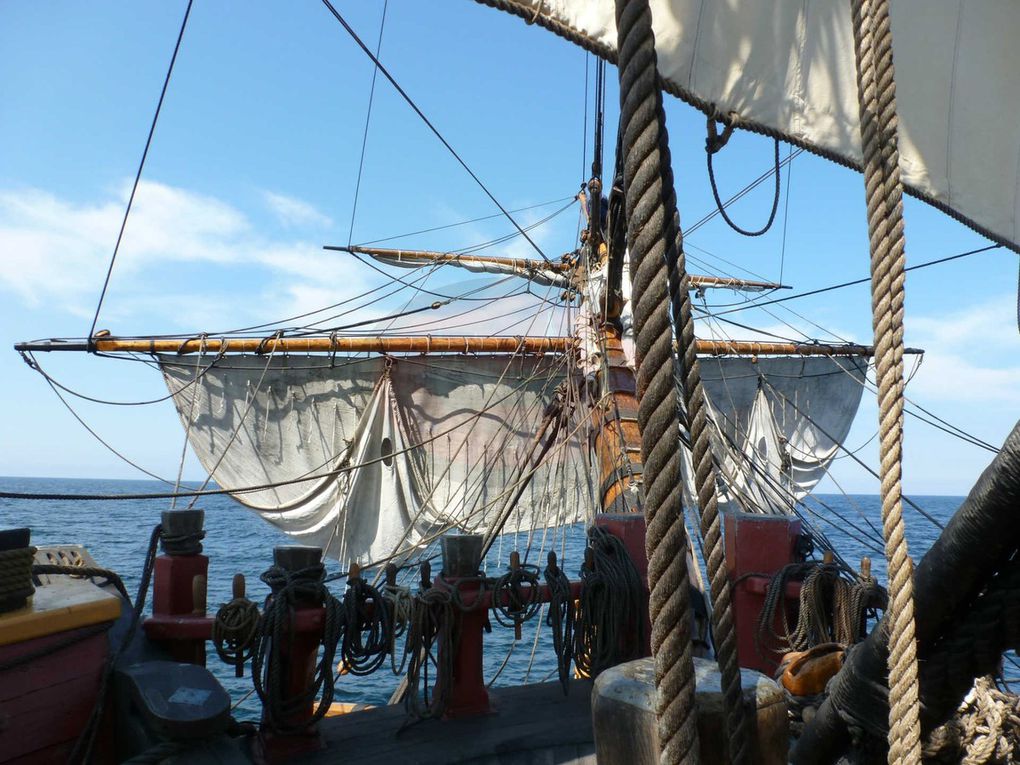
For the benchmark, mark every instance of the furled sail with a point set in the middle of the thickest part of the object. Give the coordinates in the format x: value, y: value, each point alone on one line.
x: 778, y: 424
x: 396, y: 449
x: 790, y: 68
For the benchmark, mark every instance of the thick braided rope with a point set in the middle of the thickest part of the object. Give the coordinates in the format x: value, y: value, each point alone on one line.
x: 877, y: 98
x: 651, y: 239
x: 657, y: 264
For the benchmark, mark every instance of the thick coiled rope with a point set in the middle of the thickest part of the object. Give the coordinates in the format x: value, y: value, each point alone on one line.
x: 610, y: 619
x: 368, y: 628
x: 657, y: 262
x: 289, y: 590
x: 431, y: 638
x: 16, y: 574
x: 876, y: 91
x: 234, y: 630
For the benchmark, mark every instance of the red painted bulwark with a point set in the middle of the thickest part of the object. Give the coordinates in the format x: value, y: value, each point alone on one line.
x: 45, y: 703
x: 758, y: 544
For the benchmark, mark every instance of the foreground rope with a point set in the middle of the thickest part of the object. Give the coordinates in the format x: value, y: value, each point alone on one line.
x: 876, y: 92
x: 654, y: 255
x: 16, y: 574
x: 560, y: 619
x: 985, y: 729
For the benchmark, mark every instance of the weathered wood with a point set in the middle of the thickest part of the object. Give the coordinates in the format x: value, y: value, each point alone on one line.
x: 623, y: 713
x: 427, y: 344
x: 531, y: 724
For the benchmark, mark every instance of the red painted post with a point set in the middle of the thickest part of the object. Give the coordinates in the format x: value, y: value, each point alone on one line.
x: 757, y: 546
x: 468, y: 694
x: 174, y: 587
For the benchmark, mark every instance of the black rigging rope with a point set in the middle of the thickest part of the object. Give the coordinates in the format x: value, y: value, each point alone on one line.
x: 138, y: 174
x: 432, y: 127
x: 713, y: 144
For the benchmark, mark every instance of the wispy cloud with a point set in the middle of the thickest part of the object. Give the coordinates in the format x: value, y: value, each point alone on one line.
x: 970, y: 354
x: 55, y: 251
x: 293, y: 212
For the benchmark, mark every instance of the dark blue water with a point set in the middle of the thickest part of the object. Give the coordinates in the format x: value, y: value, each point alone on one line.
x: 116, y: 534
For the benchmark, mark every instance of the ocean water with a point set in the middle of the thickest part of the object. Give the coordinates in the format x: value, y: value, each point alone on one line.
x: 116, y: 534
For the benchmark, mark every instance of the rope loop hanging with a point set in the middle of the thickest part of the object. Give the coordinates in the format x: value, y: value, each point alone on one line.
x: 714, y: 143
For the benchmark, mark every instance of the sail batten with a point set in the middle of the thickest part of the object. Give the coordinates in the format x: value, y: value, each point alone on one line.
x: 788, y: 70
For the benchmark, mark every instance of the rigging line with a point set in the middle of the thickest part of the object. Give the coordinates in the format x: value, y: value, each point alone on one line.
x: 928, y: 516
x: 368, y: 119
x: 96, y: 436
x: 584, y: 131
x: 513, y: 235
x: 465, y: 222
x: 138, y: 174
x: 413, y: 286
x: 867, y: 279
x: 428, y: 123
x: 786, y: 214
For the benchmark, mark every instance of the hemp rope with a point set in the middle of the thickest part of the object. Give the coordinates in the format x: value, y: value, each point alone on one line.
x: 876, y: 90
x: 657, y: 263
x: 16, y: 573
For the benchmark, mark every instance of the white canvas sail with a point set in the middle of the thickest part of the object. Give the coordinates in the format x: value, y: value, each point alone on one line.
x: 778, y: 423
x: 790, y: 67
x: 399, y: 449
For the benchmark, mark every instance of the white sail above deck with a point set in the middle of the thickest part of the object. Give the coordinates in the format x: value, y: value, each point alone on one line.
x: 779, y: 423
x: 790, y: 67
x: 402, y: 449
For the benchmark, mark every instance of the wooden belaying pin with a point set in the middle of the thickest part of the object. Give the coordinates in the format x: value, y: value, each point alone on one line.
x: 237, y: 586
x: 865, y: 568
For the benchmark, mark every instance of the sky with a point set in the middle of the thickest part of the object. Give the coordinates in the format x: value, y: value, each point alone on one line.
x: 253, y: 168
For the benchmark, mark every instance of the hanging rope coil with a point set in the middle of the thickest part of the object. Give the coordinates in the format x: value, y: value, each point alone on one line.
x: 985, y: 729
x: 713, y: 144
x: 876, y: 91
x: 290, y: 590
x: 610, y: 624
x: 368, y: 628
x: 560, y: 619
x: 234, y: 630
x: 16, y: 574
x: 431, y: 639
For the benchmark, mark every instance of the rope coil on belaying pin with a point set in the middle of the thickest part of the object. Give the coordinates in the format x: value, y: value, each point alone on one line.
x: 367, y: 633
x: 560, y: 619
x: 432, y: 626
x: 235, y: 627
x: 519, y: 587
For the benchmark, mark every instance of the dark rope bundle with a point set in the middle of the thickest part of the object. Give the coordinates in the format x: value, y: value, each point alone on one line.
x: 368, y: 628
x: 234, y: 632
x: 610, y: 625
x: 16, y: 575
x: 182, y: 544
x: 518, y: 587
x: 290, y: 589
x: 431, y: 638
x: 833, y: 607
x: 560, y: 619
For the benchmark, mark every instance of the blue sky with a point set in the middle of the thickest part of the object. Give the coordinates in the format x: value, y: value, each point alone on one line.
x: 253, y: 167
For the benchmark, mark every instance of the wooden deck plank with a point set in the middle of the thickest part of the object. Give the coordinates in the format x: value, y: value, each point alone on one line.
x: 528, y: 718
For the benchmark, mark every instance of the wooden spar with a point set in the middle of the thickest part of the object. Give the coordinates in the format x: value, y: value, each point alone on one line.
x: 425, y: 344
x: 525, y: 266
x: 426, y: 257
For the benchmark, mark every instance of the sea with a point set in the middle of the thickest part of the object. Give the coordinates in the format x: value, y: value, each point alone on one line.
x: 116, y: 533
